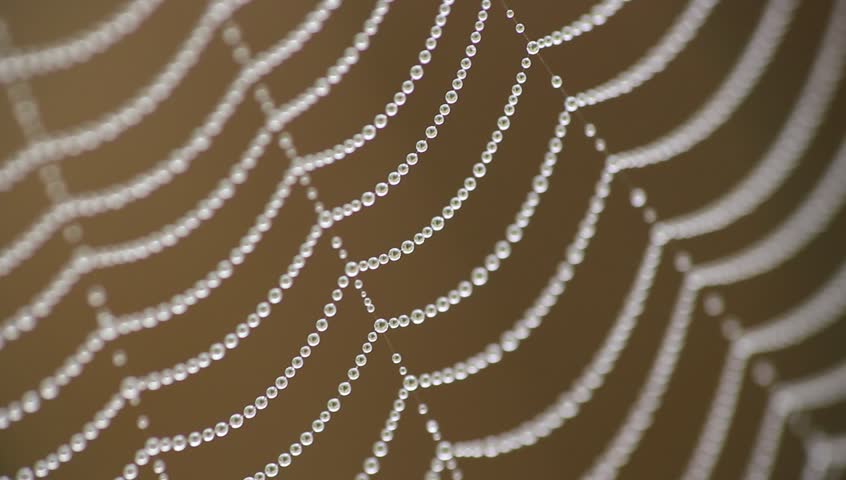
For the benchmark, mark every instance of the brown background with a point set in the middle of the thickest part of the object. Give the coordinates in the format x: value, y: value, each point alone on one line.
x: 507, y: 393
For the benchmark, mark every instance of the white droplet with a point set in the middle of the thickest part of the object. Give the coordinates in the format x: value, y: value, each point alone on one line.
x: 714, y: 304
x: 637, y: 197
x: 556, y: 81
x: 119, y: 358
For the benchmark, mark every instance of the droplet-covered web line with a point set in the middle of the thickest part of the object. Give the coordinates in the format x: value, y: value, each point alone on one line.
x: 808, y: 319
x: 26, y: 318
x: 810, y: 218
x: 132, y: 322
x: 107, y: 128
x: 142, y: 185
x: 147, y: 318
x: 568, y: 404
x: 33, y: 61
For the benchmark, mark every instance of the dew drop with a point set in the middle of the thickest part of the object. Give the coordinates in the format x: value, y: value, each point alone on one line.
x: 637, y: 197
x: 556, y: 81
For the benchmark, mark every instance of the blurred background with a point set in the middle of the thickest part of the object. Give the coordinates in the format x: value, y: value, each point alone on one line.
x: 495, y: 400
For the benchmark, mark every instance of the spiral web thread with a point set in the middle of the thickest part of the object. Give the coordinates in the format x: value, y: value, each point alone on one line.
x: 44, y: 150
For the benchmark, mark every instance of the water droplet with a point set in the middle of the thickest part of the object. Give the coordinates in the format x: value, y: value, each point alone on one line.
x: 556, y: 81
x: 714, y: 304
x: 637, y: 197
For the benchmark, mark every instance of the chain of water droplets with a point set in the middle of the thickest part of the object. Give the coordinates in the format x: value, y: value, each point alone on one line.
x: 813, y: 392
x: 377, y: 187
x: 179, y: 304
x: 143, y: 184
x: 590, y: 380
x: 816, y: 95
x: 683, y: 30
x: 735, y: 88
x: 803, y: 321
x: 65, y: 53
x: 129, y: 324
x: 597, y: 16
x: 219, y: 349
x: 109, y: 126
x: 382, y: 325
x: 28, y: 117
x: 26, y: 318
x: 792, y: 235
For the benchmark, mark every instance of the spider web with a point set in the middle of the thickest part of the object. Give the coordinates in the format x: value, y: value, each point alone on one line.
x: 539, y: 226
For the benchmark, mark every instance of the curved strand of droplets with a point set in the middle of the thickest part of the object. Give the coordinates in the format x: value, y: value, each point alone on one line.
x: 820, y: 88
x: 811, y: 217
x: 596, y: 17
x: 370, y: 131
x: 250, y: 409
x: 352, y: 144
x: 132, y: 387
x: 451, y: 97
x: 784, y: 154
x: 770, y: 173
x: 735, y: 88
x: 683, y: 30
x: 663, y: 240
x: 381, y: 447
x: 333, y: 406
x: 817, y: 93
x: 24, y: 319
x: 807, y: 319
x: 153, y: 315
x: 143, y: 184
x: 150, y: 317
x: 811, y: 317
x: 371, y: 465
x: 569, y: 402
x: 141, y: 248
x: 110, y: 125
x: 801, y: 126
x: 330, y: 310
x: 470, y: 183
x: 62, y: 54
x: 180, y: 303
x: 155, y: 380
x: 808, y: 393
x: 501, y: 250
x: 238, y: 173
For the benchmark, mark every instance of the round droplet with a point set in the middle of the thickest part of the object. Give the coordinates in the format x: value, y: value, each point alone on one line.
x: 410, y: 383
x: 119, y: 358
x: 637, y: 197
x: 683, y: 261
x: 479, y: 276
x: 556, y: 81
x: 714, y: 304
